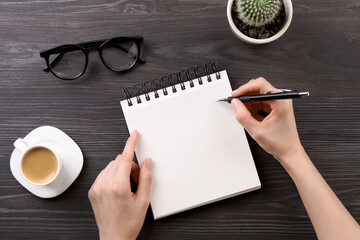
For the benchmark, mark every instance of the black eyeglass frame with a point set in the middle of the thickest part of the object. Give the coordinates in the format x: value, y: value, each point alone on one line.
x: 86, y: 47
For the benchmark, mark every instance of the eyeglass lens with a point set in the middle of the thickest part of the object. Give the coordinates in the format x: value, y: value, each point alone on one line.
x: 119, y: 56
x: 68, y: 64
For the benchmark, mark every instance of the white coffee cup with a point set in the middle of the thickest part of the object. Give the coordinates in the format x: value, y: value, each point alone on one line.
x: 25, y: 148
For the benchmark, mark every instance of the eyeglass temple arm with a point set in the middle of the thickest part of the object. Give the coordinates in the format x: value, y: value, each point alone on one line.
x: 53, y: 62
x: 91, y: 44
x: 140, y: 60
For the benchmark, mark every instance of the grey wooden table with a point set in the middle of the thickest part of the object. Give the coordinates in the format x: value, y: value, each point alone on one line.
x: 320, y: 53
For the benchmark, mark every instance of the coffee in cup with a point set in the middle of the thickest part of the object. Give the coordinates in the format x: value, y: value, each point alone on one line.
x: 39, y: 164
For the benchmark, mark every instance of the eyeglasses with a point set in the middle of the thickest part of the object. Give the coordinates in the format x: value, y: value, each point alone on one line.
x: 69, y: 62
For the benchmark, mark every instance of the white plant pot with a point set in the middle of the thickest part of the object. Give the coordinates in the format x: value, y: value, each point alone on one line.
x: 288, y: 17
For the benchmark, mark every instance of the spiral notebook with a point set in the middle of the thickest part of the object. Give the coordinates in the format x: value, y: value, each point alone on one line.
x: 200, y: 152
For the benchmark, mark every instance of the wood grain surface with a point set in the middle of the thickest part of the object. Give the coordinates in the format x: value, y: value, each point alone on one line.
x: 319, y: 53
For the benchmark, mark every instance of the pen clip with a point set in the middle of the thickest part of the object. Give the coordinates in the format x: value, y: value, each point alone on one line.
x: 277, y: 90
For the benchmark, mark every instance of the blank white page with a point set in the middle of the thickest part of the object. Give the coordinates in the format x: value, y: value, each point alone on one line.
x: 200, y: 152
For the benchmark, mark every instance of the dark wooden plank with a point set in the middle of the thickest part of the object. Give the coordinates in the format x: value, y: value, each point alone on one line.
x: 320, y: 53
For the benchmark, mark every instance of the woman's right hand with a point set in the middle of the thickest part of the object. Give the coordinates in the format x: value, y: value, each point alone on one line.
x: 275, y: 132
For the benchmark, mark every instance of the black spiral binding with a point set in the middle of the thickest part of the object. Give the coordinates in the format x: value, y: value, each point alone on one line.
x: 168, y: 81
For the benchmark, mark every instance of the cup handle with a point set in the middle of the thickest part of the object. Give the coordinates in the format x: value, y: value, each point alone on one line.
x: 21, y: 145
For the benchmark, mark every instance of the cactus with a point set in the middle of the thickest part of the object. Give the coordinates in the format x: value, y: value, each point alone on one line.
x: 258, y: 12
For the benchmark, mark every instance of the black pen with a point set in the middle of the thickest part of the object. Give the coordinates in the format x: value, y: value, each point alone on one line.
x: 269, y: 95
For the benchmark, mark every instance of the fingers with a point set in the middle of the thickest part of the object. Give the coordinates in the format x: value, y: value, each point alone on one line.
x: 259, y: 85
x: 112, y: 169
x: 102, y: 175
x: 94, y: 190
x: 115, y: 178
x: 135, y: 171
x: 125, y: 160
x: 244, y: 117
x: 145, y: 179
x: 129, y: 149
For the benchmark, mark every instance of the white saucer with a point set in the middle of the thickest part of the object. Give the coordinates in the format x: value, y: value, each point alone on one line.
x: 69, y: 151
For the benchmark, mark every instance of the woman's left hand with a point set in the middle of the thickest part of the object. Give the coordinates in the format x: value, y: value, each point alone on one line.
x: 119, y: 212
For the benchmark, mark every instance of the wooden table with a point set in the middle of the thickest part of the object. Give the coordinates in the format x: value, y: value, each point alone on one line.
x: 319, y: 53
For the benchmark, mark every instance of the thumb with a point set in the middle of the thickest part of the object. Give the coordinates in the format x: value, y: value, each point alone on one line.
x: 145, y: 179
x: 243, y: 116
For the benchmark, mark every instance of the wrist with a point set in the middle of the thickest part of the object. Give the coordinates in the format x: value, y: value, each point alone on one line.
x: 114, y: 237
x: 287, y: 156
x: 294, y: 160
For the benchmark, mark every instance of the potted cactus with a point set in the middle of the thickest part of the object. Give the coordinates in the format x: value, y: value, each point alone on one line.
x: 259, y: 21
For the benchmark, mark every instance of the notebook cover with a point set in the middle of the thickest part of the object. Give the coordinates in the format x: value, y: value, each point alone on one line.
x: 200, y: 152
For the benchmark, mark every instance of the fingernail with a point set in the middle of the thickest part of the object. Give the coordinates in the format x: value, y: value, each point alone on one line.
x: 235, y: 104
x: 133, y: 132
x: 148, y: 163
